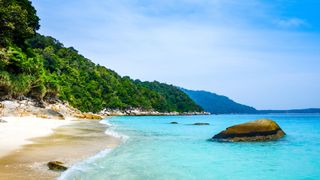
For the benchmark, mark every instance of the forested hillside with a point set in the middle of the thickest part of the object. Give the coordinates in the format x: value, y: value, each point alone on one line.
x: 41, y: 67
x: 174, y: 97
x: 217, y: 104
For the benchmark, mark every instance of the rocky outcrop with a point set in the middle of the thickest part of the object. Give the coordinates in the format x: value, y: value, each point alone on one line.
x: 259, y: 130
x: 89, y: 116
x: 56, y: 109
x: 201, y: 124
x: 56, y: 166
x: 50, y: 110
x: 141, y: 112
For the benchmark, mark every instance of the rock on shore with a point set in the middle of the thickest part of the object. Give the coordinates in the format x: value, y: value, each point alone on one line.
x: 259, y: 130
x: 141, y: 112
x: 56, y: 166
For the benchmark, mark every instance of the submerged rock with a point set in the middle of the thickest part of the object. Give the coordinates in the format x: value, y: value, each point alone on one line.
x: 56, y: 166
x: 259, y: 130
x: 201, y: 124
x: 174, y: 123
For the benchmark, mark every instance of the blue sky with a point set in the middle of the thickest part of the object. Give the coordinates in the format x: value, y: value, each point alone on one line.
x: 257, y: 52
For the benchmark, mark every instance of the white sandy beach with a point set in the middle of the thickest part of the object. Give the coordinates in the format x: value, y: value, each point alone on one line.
x: 19, y: 131
x: 35, y: 142
x: 31, y: 136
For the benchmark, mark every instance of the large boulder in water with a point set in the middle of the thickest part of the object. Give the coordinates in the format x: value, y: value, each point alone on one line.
x: 259, y: 130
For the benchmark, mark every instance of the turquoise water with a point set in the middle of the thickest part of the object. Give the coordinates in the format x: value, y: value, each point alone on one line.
x: 154, y: 149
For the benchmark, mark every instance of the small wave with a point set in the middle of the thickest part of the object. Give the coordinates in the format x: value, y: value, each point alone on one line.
x: 106, y: 122
x: 113, y: 133
x: 87, y: 165
x: 92, y: 163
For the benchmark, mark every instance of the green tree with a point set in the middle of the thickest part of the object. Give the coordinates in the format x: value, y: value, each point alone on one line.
x: 18, y: 21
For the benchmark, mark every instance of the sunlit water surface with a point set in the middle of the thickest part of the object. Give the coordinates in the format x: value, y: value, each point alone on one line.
x: 155, y: 149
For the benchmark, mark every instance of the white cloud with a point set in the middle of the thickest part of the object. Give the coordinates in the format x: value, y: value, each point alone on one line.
x: 290, y: 23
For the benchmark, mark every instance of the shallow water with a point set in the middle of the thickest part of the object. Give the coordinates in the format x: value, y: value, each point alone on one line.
x: 154, y: 149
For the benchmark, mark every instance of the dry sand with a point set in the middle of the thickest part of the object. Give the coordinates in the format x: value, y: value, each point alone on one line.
x: 18, y: 131
x: 69, y: 143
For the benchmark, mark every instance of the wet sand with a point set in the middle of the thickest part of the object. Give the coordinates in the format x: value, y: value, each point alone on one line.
x: 69, y: 144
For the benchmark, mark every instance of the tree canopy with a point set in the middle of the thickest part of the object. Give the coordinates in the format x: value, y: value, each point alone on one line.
x: 18, y: 21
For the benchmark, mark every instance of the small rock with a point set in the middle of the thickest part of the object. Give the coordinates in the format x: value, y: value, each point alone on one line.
x: 201, y: 124
x: 40, y: 104
x: 2, y: 121
x: 174, y: 123
x: 56, y: 166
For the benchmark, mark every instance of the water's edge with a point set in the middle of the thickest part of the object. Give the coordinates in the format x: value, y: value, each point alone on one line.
x: 79, y: 166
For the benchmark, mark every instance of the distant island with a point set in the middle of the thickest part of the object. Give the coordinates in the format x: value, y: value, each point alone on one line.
x: 218, y: 104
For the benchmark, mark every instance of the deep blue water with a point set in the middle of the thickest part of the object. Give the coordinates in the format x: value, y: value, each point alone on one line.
x: 156, y: 149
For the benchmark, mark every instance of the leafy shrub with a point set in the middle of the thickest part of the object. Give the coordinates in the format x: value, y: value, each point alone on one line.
x: 52, y: 89
x: 5, y: 83
x: 38, y: 92
x: 20, y: 85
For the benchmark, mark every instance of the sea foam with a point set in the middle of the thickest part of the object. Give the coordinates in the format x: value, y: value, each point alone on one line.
x: 111, y: 131
x: 90, y: 163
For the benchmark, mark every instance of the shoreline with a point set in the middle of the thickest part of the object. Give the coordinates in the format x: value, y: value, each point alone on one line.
x: 141, y: 112
x: 31, y: 136
x: 67, y: 143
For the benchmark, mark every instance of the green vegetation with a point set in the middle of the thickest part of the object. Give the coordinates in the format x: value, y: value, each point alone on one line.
x: 18, y: 21
x: 173, y: 97
x: 217, y: 104
x: 42, y: 68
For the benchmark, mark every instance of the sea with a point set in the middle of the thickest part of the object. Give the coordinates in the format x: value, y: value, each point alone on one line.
x: 154, y: 149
